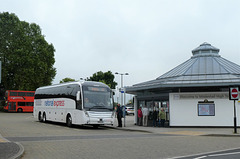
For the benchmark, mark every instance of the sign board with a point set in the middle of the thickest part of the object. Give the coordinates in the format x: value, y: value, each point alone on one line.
x: 206, y: 109
x: 122, y: 90
x: 233, y: 93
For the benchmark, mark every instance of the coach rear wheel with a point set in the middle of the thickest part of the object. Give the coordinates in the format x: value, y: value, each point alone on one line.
x: 69, y: 121
x: 44, y: 119
x: 40, y: 117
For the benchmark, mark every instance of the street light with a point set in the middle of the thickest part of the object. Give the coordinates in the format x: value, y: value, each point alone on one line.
x: 122, y: 91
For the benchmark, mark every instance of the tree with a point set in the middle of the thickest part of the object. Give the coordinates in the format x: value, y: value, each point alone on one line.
x: 27, y: 58
x: 67, y: 79
x: 107, y: 78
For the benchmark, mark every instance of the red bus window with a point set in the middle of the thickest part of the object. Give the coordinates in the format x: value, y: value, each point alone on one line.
x: 29, y: 103
x: 13, y: 93
x: 25, y: 104
x: 21, y: 94
x: 21, y: 104
x: 30, y: 94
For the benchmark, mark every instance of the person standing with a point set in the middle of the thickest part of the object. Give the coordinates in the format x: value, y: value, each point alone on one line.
x: 119, y: 115
x: 162, y: 116
x: 140, y: 115
x: 155, y: 116
x: 145, y: 116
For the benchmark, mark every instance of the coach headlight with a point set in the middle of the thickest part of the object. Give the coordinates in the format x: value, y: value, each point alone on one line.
x: 113, y: 114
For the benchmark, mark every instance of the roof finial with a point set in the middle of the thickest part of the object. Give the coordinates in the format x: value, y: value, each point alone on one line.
x: 205, y: 49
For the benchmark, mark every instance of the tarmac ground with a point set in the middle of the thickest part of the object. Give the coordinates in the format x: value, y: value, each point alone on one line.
x: 14, y: 150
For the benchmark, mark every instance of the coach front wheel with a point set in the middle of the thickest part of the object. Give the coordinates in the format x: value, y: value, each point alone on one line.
x: 69, y: 121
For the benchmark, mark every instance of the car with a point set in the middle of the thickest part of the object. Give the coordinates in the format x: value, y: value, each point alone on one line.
x: 129, y: 110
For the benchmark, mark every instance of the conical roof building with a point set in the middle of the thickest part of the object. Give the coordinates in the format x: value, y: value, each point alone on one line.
x: 206, y: 68
x: 195, y: 93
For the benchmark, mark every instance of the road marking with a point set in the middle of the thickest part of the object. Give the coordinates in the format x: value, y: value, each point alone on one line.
x: 3, y: 140
x: 224, y: 154
x: 200, y: 157
x: 211, y: 152
x: 216, y: 155
x: 81, y: 137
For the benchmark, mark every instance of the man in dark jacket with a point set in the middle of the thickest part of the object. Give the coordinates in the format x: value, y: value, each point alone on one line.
x: 119, y: 115
x: 155, y: 115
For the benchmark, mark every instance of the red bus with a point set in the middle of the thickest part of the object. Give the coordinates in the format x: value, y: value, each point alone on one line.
x: 19, y: 101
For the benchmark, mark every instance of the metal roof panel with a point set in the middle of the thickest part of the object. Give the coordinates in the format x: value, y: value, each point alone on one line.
x: 205, y: 67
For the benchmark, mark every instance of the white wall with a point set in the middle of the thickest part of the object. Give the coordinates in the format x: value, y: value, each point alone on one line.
x: 184, y: 109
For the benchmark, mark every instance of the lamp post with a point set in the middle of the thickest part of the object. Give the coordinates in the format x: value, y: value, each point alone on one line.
x: 122, y: 91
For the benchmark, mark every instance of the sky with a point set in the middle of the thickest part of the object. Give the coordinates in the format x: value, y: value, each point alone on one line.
x: 144, y: 38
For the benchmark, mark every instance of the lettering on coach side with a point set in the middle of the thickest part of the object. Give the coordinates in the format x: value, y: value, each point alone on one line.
x: 54, y: 103
x: 59, y: 103
x: 48, y: 103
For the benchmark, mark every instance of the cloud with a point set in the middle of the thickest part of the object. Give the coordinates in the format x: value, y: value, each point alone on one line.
x: 143, y: 38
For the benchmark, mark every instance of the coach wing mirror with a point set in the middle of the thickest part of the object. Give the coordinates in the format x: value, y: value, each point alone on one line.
x: 78, y: 96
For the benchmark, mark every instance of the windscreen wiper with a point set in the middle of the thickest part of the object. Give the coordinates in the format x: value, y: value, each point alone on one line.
x: 99, y: 107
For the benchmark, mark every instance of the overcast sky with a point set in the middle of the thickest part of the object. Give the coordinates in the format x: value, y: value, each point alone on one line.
x: 145, y: 38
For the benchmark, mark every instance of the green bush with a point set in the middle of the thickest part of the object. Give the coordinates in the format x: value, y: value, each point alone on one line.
x: 1, y: 109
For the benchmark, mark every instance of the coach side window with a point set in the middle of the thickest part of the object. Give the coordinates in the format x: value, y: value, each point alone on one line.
x: 79, y: 103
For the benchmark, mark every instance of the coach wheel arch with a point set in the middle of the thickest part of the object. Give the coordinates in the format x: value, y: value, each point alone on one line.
x: 69, y: 120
